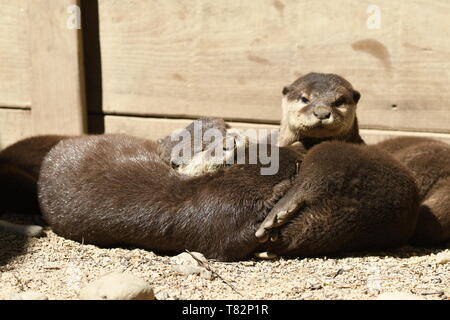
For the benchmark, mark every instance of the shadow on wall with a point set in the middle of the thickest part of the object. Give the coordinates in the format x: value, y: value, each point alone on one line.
x: 92, y: 65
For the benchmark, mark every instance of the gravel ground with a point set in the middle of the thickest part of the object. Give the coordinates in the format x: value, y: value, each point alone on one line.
x: 59, y: 268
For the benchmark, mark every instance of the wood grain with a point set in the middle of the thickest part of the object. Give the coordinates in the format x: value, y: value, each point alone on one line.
x: 57, y: 78
x: 231, y: 58
x: 14, y: 125
x: 14, y: 54
x: 155, y: 128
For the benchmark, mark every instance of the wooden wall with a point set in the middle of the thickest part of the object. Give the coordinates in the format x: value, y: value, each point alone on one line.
x: 42, y: 83
x: 161, y: 63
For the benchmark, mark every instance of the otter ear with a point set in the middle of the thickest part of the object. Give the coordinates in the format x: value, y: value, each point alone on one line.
x: 285, y: 91
x: 356, y: 96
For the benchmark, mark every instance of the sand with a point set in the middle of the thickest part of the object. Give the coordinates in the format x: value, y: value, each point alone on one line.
x: 59, y: 268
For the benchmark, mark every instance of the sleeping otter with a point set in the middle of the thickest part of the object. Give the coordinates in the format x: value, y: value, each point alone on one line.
x: 346, y: 197
x: 20, y: 164
x: 429, y: 162
x: 116, y: 190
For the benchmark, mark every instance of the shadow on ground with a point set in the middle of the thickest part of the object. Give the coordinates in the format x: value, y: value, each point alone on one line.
x: 11, y: 246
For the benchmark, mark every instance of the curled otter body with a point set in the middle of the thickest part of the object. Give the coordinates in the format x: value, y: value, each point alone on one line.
x: 429, y: 162
x: 116, y: 190
x: 350, y: 198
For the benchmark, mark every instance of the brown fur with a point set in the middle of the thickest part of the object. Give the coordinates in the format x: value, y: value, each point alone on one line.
x: 129, y: 196
x: 355, y: 198
x: 116, y: 190
x: 429, y: 162
x: 375, y: 205
x: 19, y: 171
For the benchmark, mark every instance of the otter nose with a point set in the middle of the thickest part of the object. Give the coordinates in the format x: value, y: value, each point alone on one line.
x: 322, y: 113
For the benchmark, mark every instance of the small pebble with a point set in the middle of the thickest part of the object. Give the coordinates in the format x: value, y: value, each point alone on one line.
x: 118, y: 286
x: 162, y: 296
x: 185, y: 264
x: 187, y: 259
x: 443, y: 258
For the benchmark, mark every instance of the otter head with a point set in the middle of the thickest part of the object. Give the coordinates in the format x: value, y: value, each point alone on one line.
x: 204, y: 146
x: 318, y: 107
x: 190, y: 138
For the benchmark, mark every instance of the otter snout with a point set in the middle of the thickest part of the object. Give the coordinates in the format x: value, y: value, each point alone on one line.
x: 322, y: 112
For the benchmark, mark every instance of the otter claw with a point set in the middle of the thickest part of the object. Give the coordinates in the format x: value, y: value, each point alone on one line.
x: 270, y: 221
x: 266, y: 255
x: 278, y: 218
x: 262, y: 235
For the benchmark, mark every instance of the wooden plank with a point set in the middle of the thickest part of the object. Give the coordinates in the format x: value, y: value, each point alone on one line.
x: 14, y: 125
x: 57, y: 93
x: 154, y: 128
x: 14, y: 54
x: 231, y: 58
x: 375, y: 136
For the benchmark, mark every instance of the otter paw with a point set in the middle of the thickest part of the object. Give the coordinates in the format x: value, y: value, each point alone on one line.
x: 279, y: 215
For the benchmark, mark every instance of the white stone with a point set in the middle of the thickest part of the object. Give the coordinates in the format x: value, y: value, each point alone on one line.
x: 185, y: 264
x: 118, y: 286
x: 187, y: 259
x: 443, y: 258
x: 397, y: 295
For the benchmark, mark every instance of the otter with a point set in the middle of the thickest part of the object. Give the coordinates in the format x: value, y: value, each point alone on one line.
x: 20, y: 164
x: 346, y: 197
x: 427, y: 159
x: 319, y: 107
x: 429, y: 162
x: 117, y: 190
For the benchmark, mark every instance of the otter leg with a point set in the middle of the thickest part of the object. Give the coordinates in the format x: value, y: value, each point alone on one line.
x: 281, y: 213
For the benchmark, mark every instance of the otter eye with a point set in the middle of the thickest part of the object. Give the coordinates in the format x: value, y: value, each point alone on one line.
x: 339, y: 103
x: 304, y: 99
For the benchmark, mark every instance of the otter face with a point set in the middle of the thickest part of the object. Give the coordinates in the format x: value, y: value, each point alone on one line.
x: 215, y: 156
x: 320, y: 105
